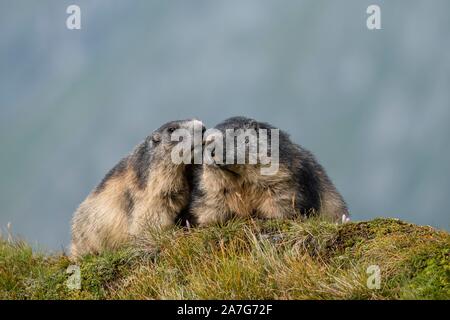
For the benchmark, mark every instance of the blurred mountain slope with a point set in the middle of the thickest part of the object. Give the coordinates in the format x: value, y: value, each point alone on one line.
x: 373, y: 106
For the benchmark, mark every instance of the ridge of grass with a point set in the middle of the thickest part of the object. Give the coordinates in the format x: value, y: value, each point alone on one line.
x: 245, y: 259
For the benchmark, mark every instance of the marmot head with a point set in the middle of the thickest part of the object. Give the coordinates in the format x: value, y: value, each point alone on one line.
x: 242, y: 142
x: 155, y: 152
x: 163, y: 140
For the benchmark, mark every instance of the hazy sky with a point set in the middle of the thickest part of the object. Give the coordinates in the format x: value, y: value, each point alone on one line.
x: 372, y: 105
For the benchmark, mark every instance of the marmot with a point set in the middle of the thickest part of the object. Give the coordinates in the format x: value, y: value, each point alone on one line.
x: 145, y: 189
x: 299, y: 187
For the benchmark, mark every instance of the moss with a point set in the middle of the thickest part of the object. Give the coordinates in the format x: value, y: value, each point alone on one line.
x: 272, y: 259
x: 98, y: 273
x: 352, y: 234
x: 429, y: 275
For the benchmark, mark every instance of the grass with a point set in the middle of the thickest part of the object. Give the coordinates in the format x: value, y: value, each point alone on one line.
x: 245, y: 260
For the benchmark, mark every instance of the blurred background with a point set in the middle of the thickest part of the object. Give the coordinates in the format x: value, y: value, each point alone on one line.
x: 372, y: 105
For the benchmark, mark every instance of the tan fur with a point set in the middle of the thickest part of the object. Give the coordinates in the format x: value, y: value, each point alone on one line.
x: 105, y: 225
x: 159, y: 208
x: 253, y: 194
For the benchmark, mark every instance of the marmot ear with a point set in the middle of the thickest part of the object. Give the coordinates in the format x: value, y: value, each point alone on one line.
x: 156, y: 137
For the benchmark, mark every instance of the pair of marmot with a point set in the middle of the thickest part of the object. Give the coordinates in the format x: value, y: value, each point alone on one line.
x: 147, y: 189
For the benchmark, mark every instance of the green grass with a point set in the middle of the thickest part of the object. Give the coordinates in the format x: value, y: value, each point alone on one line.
x: 245, y: 260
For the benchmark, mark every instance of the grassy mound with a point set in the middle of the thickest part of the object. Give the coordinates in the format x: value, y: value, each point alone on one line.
x: 246, y: 260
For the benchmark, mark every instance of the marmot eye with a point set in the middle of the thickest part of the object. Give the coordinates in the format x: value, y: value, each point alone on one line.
x: 171, y: 129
